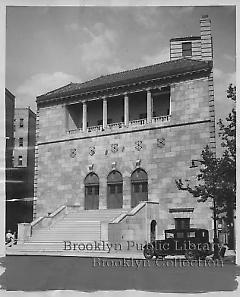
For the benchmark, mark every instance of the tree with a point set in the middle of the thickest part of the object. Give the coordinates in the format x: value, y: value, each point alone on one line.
x: 228, y: 136
x: 217, y: 177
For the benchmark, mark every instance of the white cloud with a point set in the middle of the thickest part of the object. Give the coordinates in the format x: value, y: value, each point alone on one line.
x: 217, y: 73
x: 230, y: 58
x: 72, y: 27
x: 221, y: 82
x: 163, y: 55
x: 180, y: 11
x: 147, y: 17
x: 98, y: 54
x: 39, y: 84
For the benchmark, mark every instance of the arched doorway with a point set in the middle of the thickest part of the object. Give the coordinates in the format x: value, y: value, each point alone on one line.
x: 114, y: 190
x: 91, y: 191
x: 139, y: 188
x: 153, y: 230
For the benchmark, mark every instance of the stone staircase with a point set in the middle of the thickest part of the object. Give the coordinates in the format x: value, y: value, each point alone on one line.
x: 80, y: 227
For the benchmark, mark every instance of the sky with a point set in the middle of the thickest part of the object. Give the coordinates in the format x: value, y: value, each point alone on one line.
x: 49, y: 47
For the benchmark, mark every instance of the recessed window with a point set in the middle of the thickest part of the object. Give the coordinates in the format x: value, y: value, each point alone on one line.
x: 20, y: 160
x: 20, y: 141
x: 182, y: 223
x: 187, y: 49
x: 21, y: 123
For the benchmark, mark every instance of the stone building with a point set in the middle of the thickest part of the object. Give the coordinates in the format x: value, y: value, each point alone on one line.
x: 118, y: 142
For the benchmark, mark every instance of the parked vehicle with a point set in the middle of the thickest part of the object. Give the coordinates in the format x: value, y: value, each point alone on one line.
x: 193, y: 243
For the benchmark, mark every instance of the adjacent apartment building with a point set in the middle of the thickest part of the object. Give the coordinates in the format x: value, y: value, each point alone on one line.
x: 19, y: 209
x: 9, y: 134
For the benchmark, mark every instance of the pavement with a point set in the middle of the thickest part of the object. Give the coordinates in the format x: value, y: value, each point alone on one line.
x: 229, y: 257
x: 41, y: 273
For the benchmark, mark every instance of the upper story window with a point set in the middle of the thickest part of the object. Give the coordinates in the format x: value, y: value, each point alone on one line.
x: 21, y: 123
x: 20, y: 141
x: 20, y: 160
x: 182, y: 223
x: 187, y: 49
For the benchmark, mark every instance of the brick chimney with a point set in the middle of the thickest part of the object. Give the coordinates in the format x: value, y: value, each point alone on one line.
x: 206, y: 38
x: 194, y: 47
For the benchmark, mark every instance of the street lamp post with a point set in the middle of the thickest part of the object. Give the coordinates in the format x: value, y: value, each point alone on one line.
x: 215, y: 233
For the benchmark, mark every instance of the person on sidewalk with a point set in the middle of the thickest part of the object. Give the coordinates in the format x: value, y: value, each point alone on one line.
x: 9, y: 238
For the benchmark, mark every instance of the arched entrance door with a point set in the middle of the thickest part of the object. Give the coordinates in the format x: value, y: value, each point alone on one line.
x: 115, y: 190
x: 91, y: 191
x: 139, y: 182
x: 153, y: 230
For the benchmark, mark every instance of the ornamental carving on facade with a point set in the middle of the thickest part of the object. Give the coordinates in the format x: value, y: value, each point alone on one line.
x: 73, y: 153
x: 114, y: 147
x: 161, y: 142
x: 138, y: 145
x: 92, y: 150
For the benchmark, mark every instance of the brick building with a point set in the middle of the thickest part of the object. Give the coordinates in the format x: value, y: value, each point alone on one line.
x: 118, y: 142
x: 20, y: 208
x: 9, y: 133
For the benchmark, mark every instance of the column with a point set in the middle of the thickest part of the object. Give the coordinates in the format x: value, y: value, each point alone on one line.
x: 84, y: 116
x: 149, y: 106
x: 104, y: 113
x: 126, y: 110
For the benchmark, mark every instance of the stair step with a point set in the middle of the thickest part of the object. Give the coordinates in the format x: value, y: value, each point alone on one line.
x: 79, y: 227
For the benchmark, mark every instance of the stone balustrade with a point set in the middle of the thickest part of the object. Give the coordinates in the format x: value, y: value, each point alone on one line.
x: 116, y: 126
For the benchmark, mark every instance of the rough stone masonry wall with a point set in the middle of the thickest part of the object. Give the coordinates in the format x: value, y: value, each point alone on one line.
x: 63, y: 165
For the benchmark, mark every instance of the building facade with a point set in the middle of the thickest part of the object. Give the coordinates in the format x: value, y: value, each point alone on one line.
x: 20, y: 208
x: 9, y: 133
x: 124, y: 138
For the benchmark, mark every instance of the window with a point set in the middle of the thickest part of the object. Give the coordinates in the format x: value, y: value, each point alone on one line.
x: 145, y: 187
x: 96, y: 190
x: 180, y: 235
x: 21, y: 123
x: 136, y: 188
x: 119, y: 188
x: 20, y: 160
x: 191, y: 234
x: 182, y: 223
x: 169, y: 235
x: 20, y: 141
x: 112, y: 189
x: 187, y: 49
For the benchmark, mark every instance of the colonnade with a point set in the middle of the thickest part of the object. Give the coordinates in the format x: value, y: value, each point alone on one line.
x: 126, y: 110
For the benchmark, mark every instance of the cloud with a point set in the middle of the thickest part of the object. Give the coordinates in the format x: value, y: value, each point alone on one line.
x: 98, y: 54
x: 224, y: 77
x: 229, y: 57
x: 72, y: 27
x: 41, y: 83
x: 181, y: 10
x: 147, y: 17
x: 162, y: 55
x: 221, y: 82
